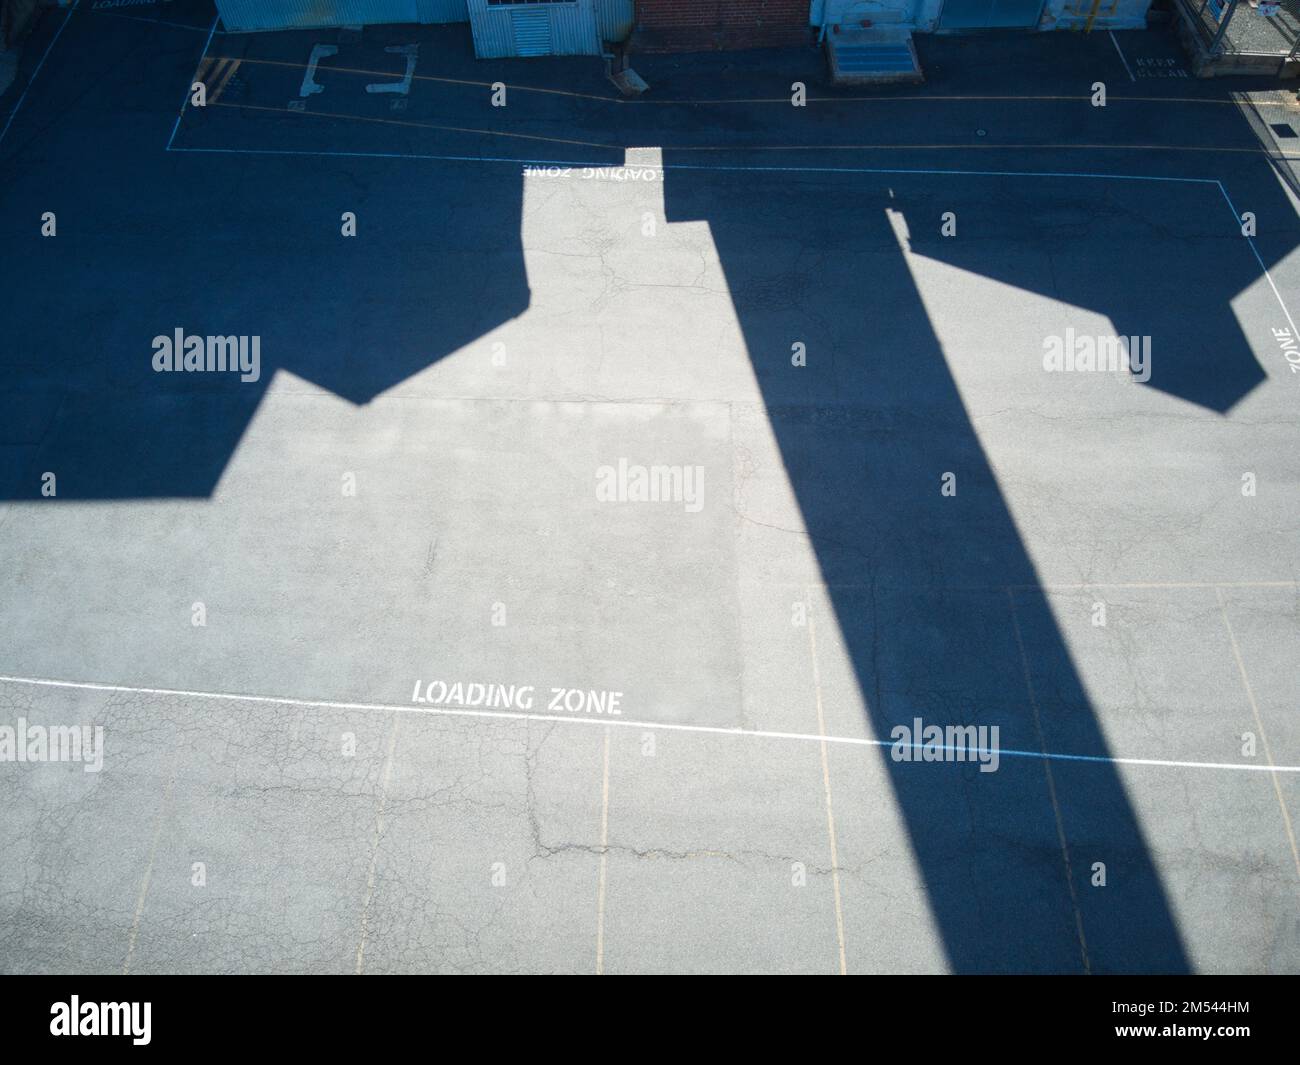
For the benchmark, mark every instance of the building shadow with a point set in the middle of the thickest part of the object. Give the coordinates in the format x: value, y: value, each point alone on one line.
x: 936, y: 598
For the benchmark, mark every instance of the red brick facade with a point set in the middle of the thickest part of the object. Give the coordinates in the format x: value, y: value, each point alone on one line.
x: 707, y: 25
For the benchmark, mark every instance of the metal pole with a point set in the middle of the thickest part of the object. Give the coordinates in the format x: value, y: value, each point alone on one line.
x: 1223, y: 26
x: 1289, y: 56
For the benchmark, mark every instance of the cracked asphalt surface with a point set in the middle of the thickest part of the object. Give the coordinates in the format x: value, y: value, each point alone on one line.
x: 468, y: 362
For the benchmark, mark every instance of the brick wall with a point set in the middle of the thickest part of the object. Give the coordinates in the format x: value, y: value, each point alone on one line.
x: 706, y: 25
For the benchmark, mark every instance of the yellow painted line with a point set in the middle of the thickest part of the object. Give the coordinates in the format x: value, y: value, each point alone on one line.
x: 604, y: 860
x: 407, y: 123
x: 826, y: 784
x: 422, y: 125
x: 148, y: 870
x: 1051, y: 784
x: 1263, y: 736
x: 224, y: 80
x: 913, y: 98
x: 374, y: 849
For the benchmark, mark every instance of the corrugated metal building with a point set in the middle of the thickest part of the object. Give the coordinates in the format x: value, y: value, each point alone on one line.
x: 240, y: 16
x: 947, y: 16
x: 500, y: 27
x: 515, y: 29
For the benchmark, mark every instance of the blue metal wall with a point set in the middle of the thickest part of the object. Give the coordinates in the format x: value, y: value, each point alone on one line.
x: 989, y: 14
x: 246, y: 15
x: 614, y: 19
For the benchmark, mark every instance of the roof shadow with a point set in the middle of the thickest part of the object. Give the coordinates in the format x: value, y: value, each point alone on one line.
x: 918, y: 584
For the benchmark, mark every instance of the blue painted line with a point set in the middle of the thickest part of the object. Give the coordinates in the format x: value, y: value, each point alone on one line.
x: 937, y: 172
x: 1258, y: 258
x: 708, y: 167
x: 185, y: 102
x: 48, y: 48
x: 152, y: 21
x: 396, y: 155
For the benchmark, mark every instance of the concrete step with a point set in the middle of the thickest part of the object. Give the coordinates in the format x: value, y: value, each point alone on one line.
x: 873, y: 56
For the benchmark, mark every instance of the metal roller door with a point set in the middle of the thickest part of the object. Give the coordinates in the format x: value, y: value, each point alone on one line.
x: 533, y: 27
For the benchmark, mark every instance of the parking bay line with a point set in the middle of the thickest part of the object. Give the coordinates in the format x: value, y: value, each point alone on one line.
x: 872, y: 100
x: 604, y: 860
x: 826, y: 780
x: 199, y: 66
x: 1259, y: 723
x: 599, y: 720
x: 44, y: 55
x: 610, y: 146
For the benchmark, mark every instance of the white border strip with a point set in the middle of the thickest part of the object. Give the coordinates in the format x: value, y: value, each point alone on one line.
x: 712, y: 730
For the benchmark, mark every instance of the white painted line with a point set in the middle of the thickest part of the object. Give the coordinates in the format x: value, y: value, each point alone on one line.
x: 310, y: 86
x: 604, y: 861
x: 1121, y: 55
x: 665, y: 726
x: 1259, y: 724
x: 48, y: 48
x: 411, y: 53
x: 1051, y: 785
x: 148, y: 870
x: 197, y: 67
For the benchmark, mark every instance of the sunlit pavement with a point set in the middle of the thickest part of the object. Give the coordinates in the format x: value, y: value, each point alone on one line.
x: 356, y: 630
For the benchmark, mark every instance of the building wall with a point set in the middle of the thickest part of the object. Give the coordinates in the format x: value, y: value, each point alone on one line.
x: 923, y: 15
x: 249, y: 15
x: 702, y: 25
x: 533, y: 29
x: 1112, y: 15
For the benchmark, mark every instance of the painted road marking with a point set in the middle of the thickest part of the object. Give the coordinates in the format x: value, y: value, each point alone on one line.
x: 434, y: 127
x: 726, y: 168
x: 1120, y: 50
x: 1051, y: 784
x: 712, y: 730
x: 1152, y: 67
x: 44, y: 55
x: 374, y: 849
x: 148, y: 869
x: 216, y: 75
x: 1259, y: 724
x: 310, y: 86
x: 185, y: 101
x: 604, y: 861
x: 826, y: 781
x: 1258, y: 258
x: 411, y: 53
x: 785, y: 100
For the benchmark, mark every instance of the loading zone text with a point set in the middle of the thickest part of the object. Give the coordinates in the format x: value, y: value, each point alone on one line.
x: 459, y: 694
